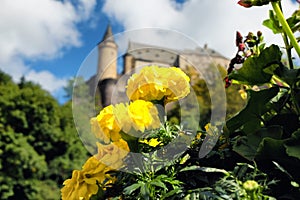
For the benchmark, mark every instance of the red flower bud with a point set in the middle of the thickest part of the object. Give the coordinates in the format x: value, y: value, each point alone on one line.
x: 259, y: 33
x: 241, y: 47
x: 245, y: 3
x: 238, y: 39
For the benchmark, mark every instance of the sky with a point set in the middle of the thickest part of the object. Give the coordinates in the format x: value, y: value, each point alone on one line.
x: 46, y: 41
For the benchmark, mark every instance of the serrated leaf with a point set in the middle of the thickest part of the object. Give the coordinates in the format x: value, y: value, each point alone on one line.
x: 252, y: 71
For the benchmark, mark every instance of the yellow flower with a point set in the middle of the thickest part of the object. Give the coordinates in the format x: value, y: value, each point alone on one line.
x: 178, y: 84
x: 139, y: 115
x: 83, y: 184
x: 122, y: 117
x: 105, y: 126
x: 112, y: 155
x: 155, y: 83
x: 153, y: 142
x: 143, y: 115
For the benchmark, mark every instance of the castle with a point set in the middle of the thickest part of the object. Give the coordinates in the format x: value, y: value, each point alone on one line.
x: 139, y: 54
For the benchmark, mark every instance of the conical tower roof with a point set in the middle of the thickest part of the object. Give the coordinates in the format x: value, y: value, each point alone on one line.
x: 108, y: 36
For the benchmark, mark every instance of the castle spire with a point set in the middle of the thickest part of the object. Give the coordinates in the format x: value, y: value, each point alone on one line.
x: 108, y: 34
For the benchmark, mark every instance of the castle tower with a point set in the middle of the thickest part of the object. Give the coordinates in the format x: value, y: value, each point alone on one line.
x: 107, y: 57
x: 107, y: 67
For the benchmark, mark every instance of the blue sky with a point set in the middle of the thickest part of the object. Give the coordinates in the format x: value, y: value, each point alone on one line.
x: 47, y: 40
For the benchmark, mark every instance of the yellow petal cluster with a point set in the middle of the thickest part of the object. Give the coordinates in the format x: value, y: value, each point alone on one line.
x: 83, y: 183
x: 144, y: 115
x: 104, y: 126
x: 155, y: 83
x: 112, y: 154
x: 139, y: 115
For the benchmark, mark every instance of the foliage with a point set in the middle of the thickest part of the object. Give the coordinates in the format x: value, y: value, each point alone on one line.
x: 38, y: 145
x: 267, y: 129
x: 243, y: 182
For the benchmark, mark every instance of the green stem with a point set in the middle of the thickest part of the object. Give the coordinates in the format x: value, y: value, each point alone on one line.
x: 285, y: 26
x: 288, y: 50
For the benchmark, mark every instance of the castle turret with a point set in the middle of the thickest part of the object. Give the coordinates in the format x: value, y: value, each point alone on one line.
x: 107, y: 66
x: 107, y: 59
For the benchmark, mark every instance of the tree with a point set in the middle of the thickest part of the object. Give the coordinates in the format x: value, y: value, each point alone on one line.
x: 39, y: 145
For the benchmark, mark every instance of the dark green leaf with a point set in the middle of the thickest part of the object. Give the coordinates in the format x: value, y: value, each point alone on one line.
x: 271, y: 149
x: 293, y: 145
x: 290, y: 76
x: 252, y: 72
x: 249, y: 118
x: 249, y: 146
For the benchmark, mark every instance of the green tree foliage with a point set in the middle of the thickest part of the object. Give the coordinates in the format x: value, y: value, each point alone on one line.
x: 39, y: 146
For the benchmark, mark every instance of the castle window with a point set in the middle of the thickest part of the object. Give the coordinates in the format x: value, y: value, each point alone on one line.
x: 156, y: 55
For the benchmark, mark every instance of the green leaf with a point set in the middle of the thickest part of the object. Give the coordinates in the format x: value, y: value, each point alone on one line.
x: 251, y: 145
x: 271, y: 149
x: 273, y: 23
x: 145, y: 191
x: 190, y: 168
x: 249, y: 118
x: 252, y: 72
x: 204, y: 169
x: 158, y: 183
x: 290, y: 76
x: 294, y: 20
x: 293, y: 145
x: 172, y: 192
x: 128, y: 190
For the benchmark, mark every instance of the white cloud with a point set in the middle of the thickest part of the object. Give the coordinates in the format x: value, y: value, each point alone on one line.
x: 206, y: 21
x: 47, y: 80
x: 39, y: 29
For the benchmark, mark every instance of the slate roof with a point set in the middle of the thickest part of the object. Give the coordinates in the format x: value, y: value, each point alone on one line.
x: 153, y: 53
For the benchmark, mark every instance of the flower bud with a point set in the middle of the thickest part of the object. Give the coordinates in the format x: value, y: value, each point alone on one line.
x: 238, y: 39
x: 250, y: 185
x: 241, y: 47
x: 250, y: 3
x: 245, y: 3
